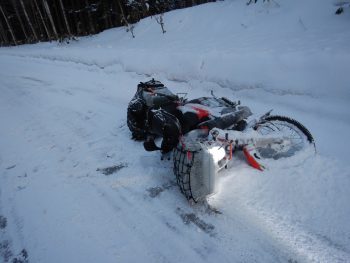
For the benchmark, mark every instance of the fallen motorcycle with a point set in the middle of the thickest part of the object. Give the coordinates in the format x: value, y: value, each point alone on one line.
x: 204, y: 133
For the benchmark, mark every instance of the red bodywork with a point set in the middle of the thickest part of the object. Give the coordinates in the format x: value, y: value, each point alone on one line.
x: 201, y: 113
x: 251, y: 160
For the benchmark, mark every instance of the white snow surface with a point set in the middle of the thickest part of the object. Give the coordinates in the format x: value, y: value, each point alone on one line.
x: 63, y: 120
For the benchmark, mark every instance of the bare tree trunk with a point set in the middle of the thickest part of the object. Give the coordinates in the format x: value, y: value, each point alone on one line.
x: 50, y: 18
x: 3, y: 34
x: 65, y: 19
x: 92, y: 28
x: 2, y: 42
x: 20, y: 19
x: 75, y: 19
x: 160, y: 21
x: 115, y: 22
x: 33, y: 13
x: 57, y: 16
x: 145, y: 8
x: 81, y: 25
x: 42, y: 20
x: 125, y: 21
x: 9, y: 26
x: 106, y: 15
x: 29, y: 22
x: 49, y: 14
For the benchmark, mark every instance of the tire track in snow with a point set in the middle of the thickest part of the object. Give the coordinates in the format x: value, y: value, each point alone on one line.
x: 305, y: 244
x: 134, y: 212
x: 11, y: 237
x: 299, y: 244
x: 194, y: 224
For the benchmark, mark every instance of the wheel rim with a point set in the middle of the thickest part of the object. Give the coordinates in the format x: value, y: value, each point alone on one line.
x: 295, y: 139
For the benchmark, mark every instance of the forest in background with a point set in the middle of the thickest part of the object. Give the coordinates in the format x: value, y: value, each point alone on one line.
x: 32, y: 21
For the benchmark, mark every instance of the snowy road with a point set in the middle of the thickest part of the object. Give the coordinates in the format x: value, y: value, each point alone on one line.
x: 74, y: 187
x: 56, y: 137
x: 63, y: 124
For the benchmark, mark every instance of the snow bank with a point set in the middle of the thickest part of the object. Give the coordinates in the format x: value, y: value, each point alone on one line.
x: 291, y: 47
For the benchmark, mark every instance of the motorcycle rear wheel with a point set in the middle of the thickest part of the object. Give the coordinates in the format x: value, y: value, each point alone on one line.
x: 298, y: 136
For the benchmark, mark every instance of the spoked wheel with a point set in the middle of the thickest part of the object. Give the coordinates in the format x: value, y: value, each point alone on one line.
x: 297, y: 137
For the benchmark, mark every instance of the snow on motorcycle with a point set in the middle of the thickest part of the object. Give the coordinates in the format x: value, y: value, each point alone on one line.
x: 203, y: 134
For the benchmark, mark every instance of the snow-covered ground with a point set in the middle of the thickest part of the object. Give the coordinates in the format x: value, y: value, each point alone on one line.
x: 74, y: 187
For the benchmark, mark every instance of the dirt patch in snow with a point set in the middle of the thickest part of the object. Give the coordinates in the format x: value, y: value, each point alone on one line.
x: 192, y: 218
x: 112, y: 169
x: 3, y: 222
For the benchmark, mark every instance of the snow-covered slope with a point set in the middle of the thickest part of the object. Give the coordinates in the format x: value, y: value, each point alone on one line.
x: 63, y: 113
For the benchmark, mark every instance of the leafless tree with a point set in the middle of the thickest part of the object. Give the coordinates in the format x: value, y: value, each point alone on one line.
x: 106, y: 14
x: 47, y: 9
x: 124, y: 20
x: 36, y: 20
x: 65, y: 19
x: 9, y: 26
x: 28, y: 20
x: 75, y: 22
x: 160, y: 21
x: 42, y: 19
x: 15, y: 6
x: 3, y: 34
x: 92, y: 27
